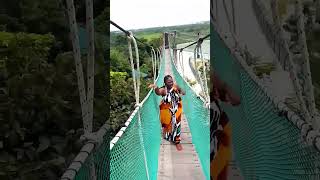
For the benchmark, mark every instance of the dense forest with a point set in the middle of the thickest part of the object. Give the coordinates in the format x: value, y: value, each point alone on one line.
x: 122, y: 92
x: 41, y: 119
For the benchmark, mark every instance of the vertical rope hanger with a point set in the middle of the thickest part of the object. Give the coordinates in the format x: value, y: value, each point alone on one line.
x: 77, y: 58
x: 90, y: 61
x: 181, y: 62
x: 205, y: 84
x: 195, y: 69
x: 159, y: 58
x: 154, y: 64
x: 136, y: 84
x: 136, y: 80
x: 86, y: 95
x: 90, y: 76
x: 310, y: 102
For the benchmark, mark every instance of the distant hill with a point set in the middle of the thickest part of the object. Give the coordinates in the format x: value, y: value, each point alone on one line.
x: 185, y: 33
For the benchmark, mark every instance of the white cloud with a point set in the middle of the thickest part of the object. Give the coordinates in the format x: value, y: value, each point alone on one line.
x: 134, y: 14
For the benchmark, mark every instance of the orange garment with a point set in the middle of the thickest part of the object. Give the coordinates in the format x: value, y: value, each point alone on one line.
x: 171, y: 130
x: 224, y: 154
x: 165, y: 115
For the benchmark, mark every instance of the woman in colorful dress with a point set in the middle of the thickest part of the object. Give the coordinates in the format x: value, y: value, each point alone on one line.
x: 170, y: 110
x: 220, y: 129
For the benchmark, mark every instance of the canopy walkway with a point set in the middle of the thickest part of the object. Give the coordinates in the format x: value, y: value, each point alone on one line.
x: 138, y: 150
x: 270, y: 141
x: 175, y: 164
x: 150, y: 157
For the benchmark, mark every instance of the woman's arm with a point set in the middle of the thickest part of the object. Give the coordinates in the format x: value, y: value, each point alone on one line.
x: 157, y: 90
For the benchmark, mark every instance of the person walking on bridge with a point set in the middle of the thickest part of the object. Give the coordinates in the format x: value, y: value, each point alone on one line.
x: 170, y: 110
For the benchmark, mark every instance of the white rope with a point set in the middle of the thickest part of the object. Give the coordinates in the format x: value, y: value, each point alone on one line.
x: 306, y: 67
x: 154, y: 64
x: 195, y: 70
x: 90, y: 76
x: 86, y: 95
x: 90, y: 62
x: 136, y: 84
x: 77, y: 58
x: 297, y: 86
x: 159, y: 59
x: 204, y: 75
x: 181, y: 62
x: 152, y: 61
x: 133, y: 69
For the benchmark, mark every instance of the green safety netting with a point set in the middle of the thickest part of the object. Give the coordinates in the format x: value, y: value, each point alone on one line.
x: 127, y: 159
x: 135, y: 154
x: 198, y: 119
x: 100, y: 158
x: 127, y: 156
x: 266, y: 146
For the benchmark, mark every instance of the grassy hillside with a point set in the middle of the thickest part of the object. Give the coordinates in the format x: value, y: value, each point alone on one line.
x: 185, y: 33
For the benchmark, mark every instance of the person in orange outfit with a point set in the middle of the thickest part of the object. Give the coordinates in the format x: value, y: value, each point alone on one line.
x: 170, y: 110
x: 220, y: 129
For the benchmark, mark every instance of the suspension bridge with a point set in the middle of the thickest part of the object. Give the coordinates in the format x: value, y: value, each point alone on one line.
x: 138, y: 150
x: 270, y: 139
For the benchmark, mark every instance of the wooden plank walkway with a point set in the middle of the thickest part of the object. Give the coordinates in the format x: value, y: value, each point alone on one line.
x: 174, y: 164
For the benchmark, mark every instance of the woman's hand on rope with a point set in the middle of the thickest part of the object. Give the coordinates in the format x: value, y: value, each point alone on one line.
x: 153, y: 86
x: 158, y: 91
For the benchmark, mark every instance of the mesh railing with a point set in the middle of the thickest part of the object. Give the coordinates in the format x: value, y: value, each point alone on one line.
x: 266, y: 145
x: 127, y: 159
x: 134, y: 150
x: 198, y: 119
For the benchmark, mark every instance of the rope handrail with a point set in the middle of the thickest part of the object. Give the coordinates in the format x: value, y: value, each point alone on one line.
x: 199, y: 40
x: 197, y: 50
x: 203, y: 100
x: 128, y: 33
x: 136, y: 84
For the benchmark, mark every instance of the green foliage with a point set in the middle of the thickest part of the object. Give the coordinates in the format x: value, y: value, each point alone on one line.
x: 118, y: 61
x: 122, y: 99
x: 43, y: 118
x: 156, y: 42
x: 40, y: 117
x: 10, y: 24
x: 122, y: 92
x: 101, y: 24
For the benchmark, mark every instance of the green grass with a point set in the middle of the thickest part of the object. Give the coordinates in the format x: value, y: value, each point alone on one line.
x: 149, y: 36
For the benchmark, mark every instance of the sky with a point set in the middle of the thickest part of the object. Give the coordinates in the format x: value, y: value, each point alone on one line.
x: 136, y: 14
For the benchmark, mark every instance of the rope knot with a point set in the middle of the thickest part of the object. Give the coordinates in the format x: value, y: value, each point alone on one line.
x: 92, y: 137
x: 138, y: 105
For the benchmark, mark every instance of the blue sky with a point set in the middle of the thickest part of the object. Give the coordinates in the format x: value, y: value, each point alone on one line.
x: 135, y: 14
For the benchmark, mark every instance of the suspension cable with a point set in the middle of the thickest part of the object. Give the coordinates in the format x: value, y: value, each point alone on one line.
x: 128, y: 34
x: 200, y: 39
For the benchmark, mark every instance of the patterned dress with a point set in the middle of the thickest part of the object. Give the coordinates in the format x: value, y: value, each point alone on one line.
x: 170, y: 115
x: 220, y: 136
x: 215, y: 126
